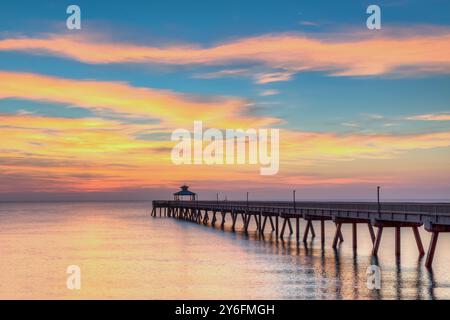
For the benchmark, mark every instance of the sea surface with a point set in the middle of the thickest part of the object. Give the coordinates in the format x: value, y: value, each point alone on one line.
x: 123, y: 253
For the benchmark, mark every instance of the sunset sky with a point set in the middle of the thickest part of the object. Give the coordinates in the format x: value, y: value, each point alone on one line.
x: 88, y: 114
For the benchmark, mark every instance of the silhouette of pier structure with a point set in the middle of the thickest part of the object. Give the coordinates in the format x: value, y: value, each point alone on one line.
x: 278, y: 217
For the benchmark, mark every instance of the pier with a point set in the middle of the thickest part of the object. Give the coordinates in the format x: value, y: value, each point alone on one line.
x: 279, y: 217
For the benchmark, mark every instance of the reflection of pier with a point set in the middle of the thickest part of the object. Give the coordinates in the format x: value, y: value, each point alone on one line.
x: 434, y: 217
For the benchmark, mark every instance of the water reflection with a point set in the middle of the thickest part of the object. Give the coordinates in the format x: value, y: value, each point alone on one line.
x: 124, y: 253
x: 341, y: 273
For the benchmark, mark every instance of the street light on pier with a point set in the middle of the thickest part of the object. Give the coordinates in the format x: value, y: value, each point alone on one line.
x: 293, y: 194
x: 378, y: 199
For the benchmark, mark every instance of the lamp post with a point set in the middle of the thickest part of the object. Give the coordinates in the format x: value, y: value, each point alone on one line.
x: 378, y: 199
x: 293, y: 193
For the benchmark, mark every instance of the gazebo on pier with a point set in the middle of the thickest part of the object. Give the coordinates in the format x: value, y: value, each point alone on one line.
x: 184, y: 194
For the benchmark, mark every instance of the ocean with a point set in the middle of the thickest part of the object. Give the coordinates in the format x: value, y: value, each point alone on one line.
x: 123, y: 253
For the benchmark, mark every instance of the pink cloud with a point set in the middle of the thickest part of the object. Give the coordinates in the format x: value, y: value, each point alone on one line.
x: 418, y: 52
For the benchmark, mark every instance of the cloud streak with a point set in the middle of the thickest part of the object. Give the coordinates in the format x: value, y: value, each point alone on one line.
x: 89, y: 154
x: 291, y: 52
x: 444, y: 116
x: 171, y: 108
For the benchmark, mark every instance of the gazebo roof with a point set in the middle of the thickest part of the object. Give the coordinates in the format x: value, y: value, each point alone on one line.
x: 184, y: 191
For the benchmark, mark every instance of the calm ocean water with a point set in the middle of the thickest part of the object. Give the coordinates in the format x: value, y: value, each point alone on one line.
x: 124, y: 253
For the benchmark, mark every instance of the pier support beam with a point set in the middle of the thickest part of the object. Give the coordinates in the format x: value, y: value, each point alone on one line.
x: 214, y: 219
x: 271, y: 223
x: 435, y: 229
x: 322, y: 232
x: 257, y: 222
x: 287, y: 222
x: 418, y: 241
x: 305, y: 234
x: 224, y: 213
x: 337, y: 235
x: 246, y: 218
x: 282, y: 228
x: 234, y: 219
x: 263, y: 227
x: 355, y: 235
x: 372, y: 233
x: 266, y: 217
x: 309, y: 228
x: 205, y: 218
x: 276, y: 227
x: 354, y: 222
x: 260, y: 229
x: 431, y: 249
x: 313, y: 232
x: 376, y: 245
x: 397, y: 225
x: 198, y: 216
x: 398, y: 239
x: 315, y: 215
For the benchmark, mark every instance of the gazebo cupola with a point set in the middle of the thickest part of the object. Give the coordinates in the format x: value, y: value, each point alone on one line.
x: 184, y: 194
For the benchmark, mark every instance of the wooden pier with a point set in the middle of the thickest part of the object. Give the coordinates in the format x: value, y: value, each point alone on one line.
x: 434, y: 217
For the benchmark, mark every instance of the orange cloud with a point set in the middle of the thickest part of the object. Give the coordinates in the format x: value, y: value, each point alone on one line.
x: 55, y: 154
x: 172, y: 109
x: 315, y: 147
x: 287, y: 51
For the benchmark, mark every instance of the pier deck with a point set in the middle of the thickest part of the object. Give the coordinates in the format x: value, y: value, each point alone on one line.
x: 435, y: 217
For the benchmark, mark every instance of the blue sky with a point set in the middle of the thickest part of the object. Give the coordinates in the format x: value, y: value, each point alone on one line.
x: 209, y: 22
x: 389, y: 103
